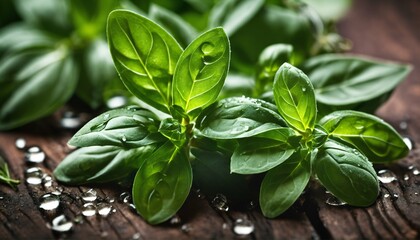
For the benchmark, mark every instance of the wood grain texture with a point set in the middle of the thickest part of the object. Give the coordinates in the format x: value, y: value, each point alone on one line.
x: 386, y: 29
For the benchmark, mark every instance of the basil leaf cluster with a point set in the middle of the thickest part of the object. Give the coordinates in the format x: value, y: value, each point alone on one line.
x: 289, y: 145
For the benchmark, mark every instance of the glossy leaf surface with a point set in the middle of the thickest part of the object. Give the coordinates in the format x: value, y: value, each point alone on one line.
x: 283, y: 185
x: 347, y: 174
x: 162, y: 184
x: 201, y: 71
x: 294, y: 97
x: 238, y: 117
x: 371, y: 135
x: 144, y: 55
x: 343, y: 80
x: 125, y: 127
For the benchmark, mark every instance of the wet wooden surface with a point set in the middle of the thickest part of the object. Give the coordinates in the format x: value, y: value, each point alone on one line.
x: 386, y: 29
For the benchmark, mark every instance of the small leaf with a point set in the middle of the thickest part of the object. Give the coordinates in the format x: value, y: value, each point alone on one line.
x: 347, y: 174
x: 162, y: 184
x: 256, y: 154
x: 201, y: 71
x: 173, y: 130
x: 283, y: 185
x: 238, y: 117
x: 371, y: 135
x: 144, y: 55
x: 99, y: 164
x: 343, y: 80
x: 295, y: 98
x: 125, y: 127
x: 5, y: 174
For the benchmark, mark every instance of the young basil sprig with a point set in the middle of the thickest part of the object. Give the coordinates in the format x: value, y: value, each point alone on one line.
x: 290, y: 147
x: 5, y: 174
x: 181, y: 84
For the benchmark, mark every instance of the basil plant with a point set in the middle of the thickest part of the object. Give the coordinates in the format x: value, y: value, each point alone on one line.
x: 182, y: 129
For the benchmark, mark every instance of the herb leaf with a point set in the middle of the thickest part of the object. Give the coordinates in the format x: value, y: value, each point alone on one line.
x: 125, y: 127
x: 201, y: 71
x: 99, y: 164
x: 343, y: 80
x: 238, y: 117
x: 162, y: 184
x: 256, y: 154
x: 5, y: 174
x: 294, y: 97
x: 144, y: 55
x: 371, y: 135
x: 347, y: 174
x: 282, y: 185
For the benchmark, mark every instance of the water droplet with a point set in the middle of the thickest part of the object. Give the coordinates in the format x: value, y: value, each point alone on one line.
x: 304, y: 89
x: 403, y: 125
x: 89, y: 195
x: 34, y: 154
x: 136, y: 236
x: 70, y: 120
x: 225, y: 226
x: 49, y: 201
x: 61, y: 224
x: 406, y: 177
x: 410, y: 167
x: 386, y: 176
x: 220, y: 203
x: 207, y: 48
x: 116, y: 102
x: 334, y: 201
x: 416, y: 172
x: 133, y: 207
x: 125, y: 197
x: 20, y: 143
x: 416, y: 193
x: 98, y: 127
x: 34, y: 175
x: 106, y: 116
x: 359, y: 127
x: 123, y: 139
x: 104, y: 209
x: 395, y: 196
x: 89, y: 209
x: 186, y: 228
x: 408, y: 142
x: 1, y: 197
x: 243, y: 227
x: 175, y: 220
x: 47, y: 180
x: 387, y: 195
x: 239, y: 129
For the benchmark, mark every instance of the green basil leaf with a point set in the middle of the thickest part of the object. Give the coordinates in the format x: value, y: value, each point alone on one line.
x: 342, y: 80
x: 283, y: 185
x: 201, y: 71
x: 371, y: 135
x: 263, y: 152
x: 5, y: 174
x: 270, y: 60
x: 50, y: 15
x: 238, y: 117
x: 34, y: 83
x: 125, y: 127
x: 295, y: 98
x: 99, y: 164
x: 233, y: 14
x: 162, y: 184
x: 236, y: 85
x: 347, y: 174
x: 175, y: 24
x: 214, y: 165
x: 89, y: 17
x: 97, y: 69
x: 173, y: 130
x: 144, y: 55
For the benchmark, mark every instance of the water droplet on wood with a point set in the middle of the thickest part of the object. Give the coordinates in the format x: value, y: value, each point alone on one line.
x: 89, y: 195
x: 403, y: 125
x: 125, y: 197
x: 136, y: 236
x: 89, y: 209
x: 104, y: 209
x: 416, y: 172
x: 186, y: 228
x: 175, y: 220
x: 334, y: 201
x: 386, y: 176
x: 61, y: 224
x: 20, y: 143
x: 243, y: 227
x: 34, y: 154
x: 34, y: 175
x: 49, y: 201
x: 220, y: 202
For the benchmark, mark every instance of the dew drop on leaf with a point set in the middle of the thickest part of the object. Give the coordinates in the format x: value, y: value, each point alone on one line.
x: 220, y: 202
x: 304, y: 89
x: 98, y: 127
x: 34, y: 154
x: 207, y: 48
x: 386, y: 176
x: 106, y: 116
x: 123, y: 139
x: 49, y: 201
x: 61, y: 224
x: 20, y: 143
x: 243, y: 227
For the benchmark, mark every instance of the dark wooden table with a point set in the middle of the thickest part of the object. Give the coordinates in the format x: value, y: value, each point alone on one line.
x: 386, y: 29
